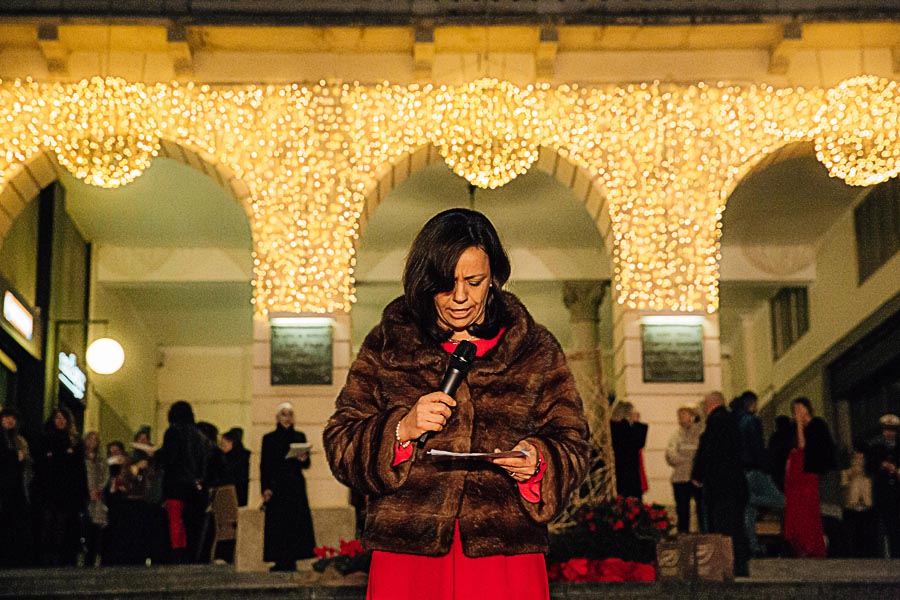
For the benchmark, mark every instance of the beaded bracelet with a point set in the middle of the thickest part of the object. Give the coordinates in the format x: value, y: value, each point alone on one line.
x: 399, y: 441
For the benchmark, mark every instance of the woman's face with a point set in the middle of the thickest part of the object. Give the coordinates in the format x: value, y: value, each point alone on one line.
x: 225, y: 444
x: 286, y: 417
x: 91, y: 441
x: 685, y: 418
x: 60, y: 421
x: 801, y: 414
x: 8, y: 422
x: 464, y: 305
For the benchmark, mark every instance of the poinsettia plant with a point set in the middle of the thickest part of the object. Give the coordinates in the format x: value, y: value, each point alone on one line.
x: 350, y: 558
x: 625, y: 529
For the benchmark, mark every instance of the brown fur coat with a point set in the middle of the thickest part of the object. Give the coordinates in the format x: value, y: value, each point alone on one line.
x: 521, y: 389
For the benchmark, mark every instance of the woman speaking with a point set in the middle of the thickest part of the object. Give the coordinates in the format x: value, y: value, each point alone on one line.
x: 458, y: 528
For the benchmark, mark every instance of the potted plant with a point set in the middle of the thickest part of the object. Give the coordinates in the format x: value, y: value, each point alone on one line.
x: 337, y: 564
x: 609, y: 541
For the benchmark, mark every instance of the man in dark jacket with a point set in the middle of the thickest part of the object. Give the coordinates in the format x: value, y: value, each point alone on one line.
x: 755, y: 461
x: 882, y: 462
x: 717, y: 468
x: 184, y: 457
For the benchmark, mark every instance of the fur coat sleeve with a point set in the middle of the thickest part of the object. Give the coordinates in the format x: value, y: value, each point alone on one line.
x: 360, y: 436
x: 561, y: 434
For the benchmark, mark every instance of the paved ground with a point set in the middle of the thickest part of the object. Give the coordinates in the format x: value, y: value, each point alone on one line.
x: 772, y: 579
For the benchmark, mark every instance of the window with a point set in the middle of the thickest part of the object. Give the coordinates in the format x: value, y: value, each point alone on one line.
x: 877, y: 223
x: 790, y: 318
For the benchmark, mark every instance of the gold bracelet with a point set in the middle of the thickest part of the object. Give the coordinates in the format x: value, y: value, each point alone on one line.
x: 397, y: 433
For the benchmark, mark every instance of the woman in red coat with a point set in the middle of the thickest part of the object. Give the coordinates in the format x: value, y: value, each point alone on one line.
x: 811, y: 455
x: 458, y: 529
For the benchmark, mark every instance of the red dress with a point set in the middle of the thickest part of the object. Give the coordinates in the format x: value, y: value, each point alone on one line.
x: 456, y: 576
x: 802, y: 515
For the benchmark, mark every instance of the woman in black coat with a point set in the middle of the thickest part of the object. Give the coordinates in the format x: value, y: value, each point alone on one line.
x: 184, y: 457
x: 60, y: 489
x: 16, y: 548
x: 289, y: 531
x: 237, y: 462
x: 628, y: 439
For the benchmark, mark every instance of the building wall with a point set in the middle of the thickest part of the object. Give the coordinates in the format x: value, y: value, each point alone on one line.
x: 129, y: 396
x: 837, y: 305
x: 215, y: 380
x: 18, y: 253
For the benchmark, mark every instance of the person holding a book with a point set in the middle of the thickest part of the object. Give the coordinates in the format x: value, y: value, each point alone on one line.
x: 288, y: 531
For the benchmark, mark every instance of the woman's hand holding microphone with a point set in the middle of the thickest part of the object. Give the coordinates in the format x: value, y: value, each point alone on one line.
x: 430, y: 413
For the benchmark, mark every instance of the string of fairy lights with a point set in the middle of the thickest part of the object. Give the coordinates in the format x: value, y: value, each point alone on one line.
x: 666, y: 157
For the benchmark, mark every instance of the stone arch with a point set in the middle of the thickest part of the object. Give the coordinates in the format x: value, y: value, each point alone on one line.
x: 588, y: 189
x: 42, y: 169
x: 763, y: 160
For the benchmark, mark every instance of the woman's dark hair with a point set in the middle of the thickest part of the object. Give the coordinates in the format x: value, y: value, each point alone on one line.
x: 782, y: 423
x: 431, y: 265
x: 9, y: 411
x: 235, y: 435
x: 805, y: 402
x: 116, y: 444
x: 181, y: 412
x: 71, y: 429
x: 209, y: 431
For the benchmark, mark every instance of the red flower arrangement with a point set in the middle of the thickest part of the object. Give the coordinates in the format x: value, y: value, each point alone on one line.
x: 607, y: 569
x: 351, y: 557
x: 613, y: 541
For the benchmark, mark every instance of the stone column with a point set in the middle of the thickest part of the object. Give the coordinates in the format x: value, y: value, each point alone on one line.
x: 583, y: 299
x: 659, y: 402
x: 333, y: 517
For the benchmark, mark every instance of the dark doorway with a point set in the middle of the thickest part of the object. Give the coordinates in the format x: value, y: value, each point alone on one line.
x: 867, y: 377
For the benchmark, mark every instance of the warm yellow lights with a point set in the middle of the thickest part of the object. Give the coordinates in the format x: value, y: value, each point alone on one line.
x: 859, y: 131
x: 103, y: 131
x: 665, y: 156
x: 487, y: 131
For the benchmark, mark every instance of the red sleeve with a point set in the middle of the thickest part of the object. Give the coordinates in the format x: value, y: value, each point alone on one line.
x: 531, y: 489
x: 401, y: 454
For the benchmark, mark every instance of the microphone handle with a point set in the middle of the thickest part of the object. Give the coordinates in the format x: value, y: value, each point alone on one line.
x: 449, y: 385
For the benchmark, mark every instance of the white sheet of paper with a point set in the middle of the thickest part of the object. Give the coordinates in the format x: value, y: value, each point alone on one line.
x: 507, y: 454
x: 298, y: 448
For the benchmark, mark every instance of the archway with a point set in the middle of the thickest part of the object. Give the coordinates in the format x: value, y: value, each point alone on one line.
x: 176, y: 293
x: 778, y: 225
x: 555, y: 225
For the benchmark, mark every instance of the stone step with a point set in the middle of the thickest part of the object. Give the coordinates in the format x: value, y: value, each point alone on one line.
x: 776, y: 579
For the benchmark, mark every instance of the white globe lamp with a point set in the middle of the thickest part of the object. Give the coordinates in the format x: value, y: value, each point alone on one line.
x: 105, y: 356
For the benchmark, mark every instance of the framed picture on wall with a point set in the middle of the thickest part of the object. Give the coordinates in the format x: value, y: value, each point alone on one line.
x: 301, y: 353
x: 672, y: 353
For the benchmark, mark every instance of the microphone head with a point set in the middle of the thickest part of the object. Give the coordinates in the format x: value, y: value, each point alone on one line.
x: 462, y: 357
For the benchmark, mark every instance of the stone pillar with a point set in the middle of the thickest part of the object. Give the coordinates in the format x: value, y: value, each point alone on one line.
x: 583, y: 299
x: 333, y: 517
x: 659, y: 402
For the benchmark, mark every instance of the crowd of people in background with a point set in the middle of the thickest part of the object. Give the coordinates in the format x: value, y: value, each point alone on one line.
x: 66, y: 502
x: 830, y: 502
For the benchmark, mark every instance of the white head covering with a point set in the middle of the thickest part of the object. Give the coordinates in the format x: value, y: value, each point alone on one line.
x: 284, y: 406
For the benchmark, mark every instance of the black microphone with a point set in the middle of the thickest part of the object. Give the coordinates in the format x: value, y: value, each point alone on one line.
x: 460, y: 363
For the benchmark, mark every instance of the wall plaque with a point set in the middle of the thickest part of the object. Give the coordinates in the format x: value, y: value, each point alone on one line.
x: 301, y: 355
x: 672, y: 353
